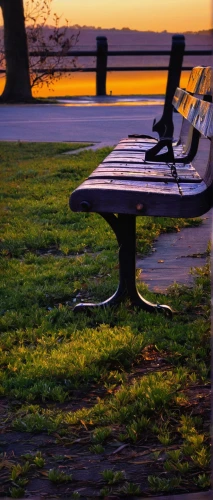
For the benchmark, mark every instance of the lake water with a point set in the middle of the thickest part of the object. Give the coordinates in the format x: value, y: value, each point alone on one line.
x: 118, y: 83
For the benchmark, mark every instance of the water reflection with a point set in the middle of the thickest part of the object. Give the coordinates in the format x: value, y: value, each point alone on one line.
x: 144, y: 83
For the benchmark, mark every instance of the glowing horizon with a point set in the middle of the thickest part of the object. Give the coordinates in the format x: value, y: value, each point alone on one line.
x: 153, y: 15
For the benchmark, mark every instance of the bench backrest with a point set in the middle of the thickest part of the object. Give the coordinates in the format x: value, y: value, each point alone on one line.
x: 199, y: 85
x: 198, y: 112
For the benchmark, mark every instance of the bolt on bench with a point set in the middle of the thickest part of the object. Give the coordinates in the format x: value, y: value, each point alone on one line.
x: 128, y: 184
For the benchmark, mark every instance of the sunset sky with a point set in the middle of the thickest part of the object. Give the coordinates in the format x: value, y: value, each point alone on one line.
x: 142, y: 15
x: 156, y: 15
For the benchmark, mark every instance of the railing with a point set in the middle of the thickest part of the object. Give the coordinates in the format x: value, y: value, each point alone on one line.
x: 102, y: 53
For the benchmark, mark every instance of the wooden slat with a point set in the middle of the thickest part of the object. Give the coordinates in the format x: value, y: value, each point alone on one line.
x: 120, y: 156
x: 149, y: 178
x: 191, y: 189
x: 126, y: 145
x: 199, y: 113
x: 135, y: 166
x: 129, y: 157
x: 137, y: 169
x: 200, y: 81
x: 138, y: 140
x: 141, y: 172
x: 134, y: 147
x: 187, y: 173
x: 155, y: 172
x: 139, y: 186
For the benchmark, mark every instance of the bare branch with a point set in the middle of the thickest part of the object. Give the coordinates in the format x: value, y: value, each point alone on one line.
x: 40, y: 37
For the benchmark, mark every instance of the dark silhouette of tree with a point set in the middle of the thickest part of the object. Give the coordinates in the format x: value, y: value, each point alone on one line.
x: 17, y: 87
x: 25, y: 34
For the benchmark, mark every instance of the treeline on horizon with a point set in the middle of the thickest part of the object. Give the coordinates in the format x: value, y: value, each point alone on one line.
x: 99, y: 28
x: 84, y: 27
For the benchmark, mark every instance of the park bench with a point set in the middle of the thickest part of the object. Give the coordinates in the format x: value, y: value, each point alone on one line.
x: 128, y: 184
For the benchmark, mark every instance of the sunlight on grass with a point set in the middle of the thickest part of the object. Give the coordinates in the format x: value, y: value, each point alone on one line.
x: 135, y: 372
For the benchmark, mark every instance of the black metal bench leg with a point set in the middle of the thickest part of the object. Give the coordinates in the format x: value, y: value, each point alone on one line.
x: 124, y: 227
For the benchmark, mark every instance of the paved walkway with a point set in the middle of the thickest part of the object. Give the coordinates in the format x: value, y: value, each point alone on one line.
x: 104, y: 122
x: 175, y: 257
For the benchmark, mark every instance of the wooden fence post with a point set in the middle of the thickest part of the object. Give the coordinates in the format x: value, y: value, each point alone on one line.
x: 101, y: 65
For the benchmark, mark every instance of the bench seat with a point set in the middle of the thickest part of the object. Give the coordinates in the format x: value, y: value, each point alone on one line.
x: 125, y: 183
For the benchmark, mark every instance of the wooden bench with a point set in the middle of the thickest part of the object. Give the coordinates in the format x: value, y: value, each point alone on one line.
x: 127, y: 184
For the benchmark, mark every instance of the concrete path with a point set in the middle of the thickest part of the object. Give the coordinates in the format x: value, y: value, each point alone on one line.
x: 175, y: 256
x: 104, y: 121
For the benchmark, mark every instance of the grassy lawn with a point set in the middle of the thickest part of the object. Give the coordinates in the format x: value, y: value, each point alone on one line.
x: 116, y: 403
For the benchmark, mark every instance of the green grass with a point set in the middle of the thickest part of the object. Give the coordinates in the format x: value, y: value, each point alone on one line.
x: 136, y: 373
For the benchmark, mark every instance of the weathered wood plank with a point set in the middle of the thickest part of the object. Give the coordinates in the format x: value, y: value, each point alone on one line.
x: 138, y: 140
x: 145, y: 178
x: 137, y: 154
x: 146, y: 167
x: 135, y: 167
x: 133, y: 147
x: 157, y: 187
x: 199, y: 81
x: 129, y: 157
x: 159, y: 169
x: 199, y: 113
x: 139, y: 186
x: 192, y: 188
x: 178, y: 149
x: 154, y: 174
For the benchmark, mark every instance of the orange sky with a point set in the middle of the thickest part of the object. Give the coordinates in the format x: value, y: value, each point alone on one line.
x: 156, y: 15
x: 143, y: 15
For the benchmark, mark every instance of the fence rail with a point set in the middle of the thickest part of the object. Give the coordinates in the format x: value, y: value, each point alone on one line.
x: 93, y: 53
x: 102, y: 53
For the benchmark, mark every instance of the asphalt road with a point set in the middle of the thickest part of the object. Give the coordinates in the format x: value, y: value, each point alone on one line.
x: 93, y: 123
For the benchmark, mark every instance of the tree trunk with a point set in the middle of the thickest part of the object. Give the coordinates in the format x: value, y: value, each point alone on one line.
x: 17, y: 87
